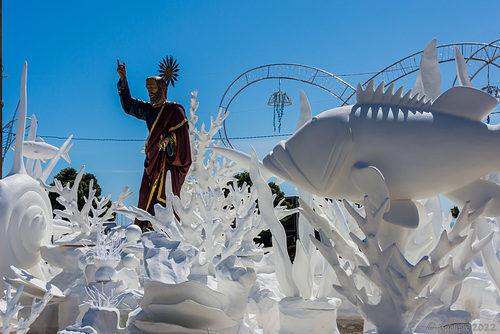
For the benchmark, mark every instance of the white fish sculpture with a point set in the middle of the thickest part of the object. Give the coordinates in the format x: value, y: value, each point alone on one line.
x: 39, y: 149
x: 390, y: 145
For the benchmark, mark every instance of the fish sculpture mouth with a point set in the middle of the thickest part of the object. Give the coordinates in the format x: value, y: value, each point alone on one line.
x: 280, y: 162
x: 313, y: 157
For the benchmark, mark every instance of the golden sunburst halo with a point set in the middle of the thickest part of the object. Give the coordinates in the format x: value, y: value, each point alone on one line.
x: 168, y: 70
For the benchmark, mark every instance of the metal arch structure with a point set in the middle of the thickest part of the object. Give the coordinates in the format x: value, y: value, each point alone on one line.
x: 307, y: 74
x: 477, y: 56
x: 490, y: 52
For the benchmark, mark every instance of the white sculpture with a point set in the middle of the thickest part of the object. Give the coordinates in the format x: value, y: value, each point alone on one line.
x: 13, y: 306
x: 203, y: 272
x: 390, y: 145
x: 407, y: 292
x: 25, y: 210
x: 38, y: 149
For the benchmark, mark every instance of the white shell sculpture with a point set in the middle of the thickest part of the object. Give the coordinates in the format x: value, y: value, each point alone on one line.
x: 25, y: 210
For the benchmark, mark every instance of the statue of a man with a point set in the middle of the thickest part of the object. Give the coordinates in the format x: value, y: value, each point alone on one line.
x: 167, y: 147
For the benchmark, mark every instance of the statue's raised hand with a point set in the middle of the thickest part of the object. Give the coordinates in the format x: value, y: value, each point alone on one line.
x: 121, y: 69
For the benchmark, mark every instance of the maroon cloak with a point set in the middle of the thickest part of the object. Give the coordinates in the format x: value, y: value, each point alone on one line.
x: 171, y: 123
x: 165, y: 121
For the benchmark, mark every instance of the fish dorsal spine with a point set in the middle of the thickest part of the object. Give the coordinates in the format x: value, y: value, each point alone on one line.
x: 377, y: 96
x: 460, y: 101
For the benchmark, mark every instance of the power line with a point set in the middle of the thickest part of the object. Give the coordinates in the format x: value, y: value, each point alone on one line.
x: 184, y: 74
x: 95, y: 139
x: 142, y: 140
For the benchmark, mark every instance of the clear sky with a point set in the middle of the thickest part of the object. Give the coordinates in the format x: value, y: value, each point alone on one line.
x: 71, y: 49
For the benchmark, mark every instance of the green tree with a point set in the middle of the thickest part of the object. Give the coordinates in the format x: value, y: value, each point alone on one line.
x: 264, y: 237
x: 69, y: 175
x: 275, y: 189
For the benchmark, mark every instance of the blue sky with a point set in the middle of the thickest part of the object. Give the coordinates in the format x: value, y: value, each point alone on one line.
x: 71, y: 49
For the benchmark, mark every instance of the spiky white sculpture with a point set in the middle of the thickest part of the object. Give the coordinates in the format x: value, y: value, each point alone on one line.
x: 401, y: 147
x: 396, y: 277
x: 25, y: 210
x: 407, y: 291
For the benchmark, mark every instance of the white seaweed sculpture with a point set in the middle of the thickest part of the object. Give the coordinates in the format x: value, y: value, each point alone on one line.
x: 296, y: 280
x: 489, y: 254
x: 480, y: 291
x: 407, y: 292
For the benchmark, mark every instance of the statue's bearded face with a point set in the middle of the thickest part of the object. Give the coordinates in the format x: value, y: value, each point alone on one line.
x: 156, y: 95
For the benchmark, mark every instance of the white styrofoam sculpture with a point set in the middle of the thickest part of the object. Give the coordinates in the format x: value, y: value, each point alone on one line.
x: 407, y: 292
x: 35, y: 148
x: 40, y: 150
x: 390, y: 145
x: 25, y: 210
x: 209, y: 274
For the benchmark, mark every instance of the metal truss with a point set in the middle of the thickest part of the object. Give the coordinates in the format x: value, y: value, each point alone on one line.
x: 307, y: 74
x: 477, y: 56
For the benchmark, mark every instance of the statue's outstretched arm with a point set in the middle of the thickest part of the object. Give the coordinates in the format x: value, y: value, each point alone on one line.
x: 131, y: 106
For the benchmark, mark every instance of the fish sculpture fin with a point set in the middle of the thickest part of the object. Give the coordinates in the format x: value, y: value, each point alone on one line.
x: 403, y: 213
x: 478, y: 193
x: 33, y: 125
x: 39, y: 140
x: 389, y: 97
x: 428, y: 80
x: 305, y: 110
x: 65, y: 155
x: 462, y: 75
x: 465, y: 102
x: 370, y: 181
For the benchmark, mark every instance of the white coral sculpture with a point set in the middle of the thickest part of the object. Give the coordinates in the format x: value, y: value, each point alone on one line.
x: 88, y: 219
x: 295, y: 279
x: 406, y: 292
x: 13, y: 306
x: 216, y: 217
x: 108, y: 246
x: 96, y: 298
x: 206, y: 170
